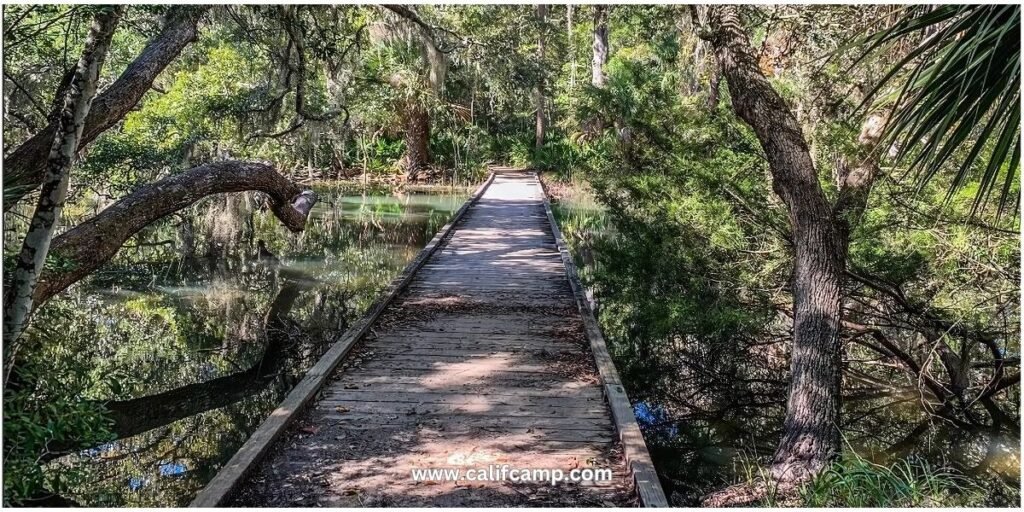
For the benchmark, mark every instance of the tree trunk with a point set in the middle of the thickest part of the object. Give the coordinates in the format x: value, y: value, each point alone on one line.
x: 415, y: 115
x: 417, y: 140
x: 25, y: 167
x: 542, y: 14
x: 600, y: 47
x: 572, y: 46
x: 93, y: 242
x: 811, y: 435
x: 68, y: 132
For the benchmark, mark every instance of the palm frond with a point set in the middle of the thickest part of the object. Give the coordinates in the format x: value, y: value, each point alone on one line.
x: 960, y: 94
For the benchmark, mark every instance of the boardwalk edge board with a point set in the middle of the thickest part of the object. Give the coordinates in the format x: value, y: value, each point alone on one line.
x: 634, y: 448
x: 245, y: 459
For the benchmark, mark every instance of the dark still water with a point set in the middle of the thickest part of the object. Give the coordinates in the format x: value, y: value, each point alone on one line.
x: 194, y: 352
x: 711, y: 402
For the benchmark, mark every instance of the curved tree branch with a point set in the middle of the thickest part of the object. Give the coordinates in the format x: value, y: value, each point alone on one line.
x: 93, y: 242
x: 25, y: 166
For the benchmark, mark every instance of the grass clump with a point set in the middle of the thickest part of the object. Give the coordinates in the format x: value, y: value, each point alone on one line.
x: 857, y: 482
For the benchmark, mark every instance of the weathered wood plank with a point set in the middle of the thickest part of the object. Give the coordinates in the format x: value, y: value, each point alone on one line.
x: 528, y: 435
x: 471, y: 420
x: 460, y: 400
x: 413, y: 345
x: 427, y: 337
x: 483, y: 387
x: 423, y: 409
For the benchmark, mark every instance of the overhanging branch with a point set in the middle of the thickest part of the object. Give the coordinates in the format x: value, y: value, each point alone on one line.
x: 93, y: 242
x: 25, y: 166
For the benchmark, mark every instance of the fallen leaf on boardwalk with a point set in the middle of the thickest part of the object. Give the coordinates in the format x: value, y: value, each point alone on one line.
x: 341, y: 409
x: 310, y: 429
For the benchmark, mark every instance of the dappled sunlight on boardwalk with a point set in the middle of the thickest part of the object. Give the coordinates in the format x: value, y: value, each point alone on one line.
x: 482, y: 361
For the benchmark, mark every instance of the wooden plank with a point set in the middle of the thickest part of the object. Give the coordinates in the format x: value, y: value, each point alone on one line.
x: 487, y: 282
x: 450, y: 365
x: 413, y: 345
x: 486, y: 338
x: 603, y: 424
x: 458, y: 365
x: 389, y: 344
x: 645, y: 477
x: 587, y: 392
x: 414, y: 379
x: 583, y: 453
x: 459, y: 355
x: 491, y: 278
x: 458, y: 322
x: 446, y: 341
x: 402, y: 378
x: 456, y: 399
x: 635, y: 449
x: 523, y: 434
x: 232, y: 474
x: 433, y: 378
x: 422, y: 409
x: 483, y: 330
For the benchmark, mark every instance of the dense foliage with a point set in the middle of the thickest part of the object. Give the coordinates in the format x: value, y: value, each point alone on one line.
x: 688, y: 251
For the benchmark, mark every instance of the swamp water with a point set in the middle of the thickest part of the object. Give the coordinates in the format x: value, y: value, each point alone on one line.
x: 194, y: 353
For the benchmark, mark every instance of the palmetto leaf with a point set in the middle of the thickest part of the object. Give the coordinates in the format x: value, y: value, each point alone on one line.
x: 960, y: 94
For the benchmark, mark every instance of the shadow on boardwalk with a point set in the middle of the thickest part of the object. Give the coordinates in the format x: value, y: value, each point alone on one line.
x: 482, y: 361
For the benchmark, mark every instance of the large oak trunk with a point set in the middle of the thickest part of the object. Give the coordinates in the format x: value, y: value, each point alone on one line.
x: 811, y: 430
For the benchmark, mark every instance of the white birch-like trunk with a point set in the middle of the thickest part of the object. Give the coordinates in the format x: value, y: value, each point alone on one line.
x: 33, y: 253
x: 600, y: 46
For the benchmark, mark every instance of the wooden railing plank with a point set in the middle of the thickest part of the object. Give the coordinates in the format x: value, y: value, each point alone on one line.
x: 645, y: 478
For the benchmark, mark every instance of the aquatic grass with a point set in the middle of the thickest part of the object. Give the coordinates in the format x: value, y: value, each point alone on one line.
x: 854, y: 481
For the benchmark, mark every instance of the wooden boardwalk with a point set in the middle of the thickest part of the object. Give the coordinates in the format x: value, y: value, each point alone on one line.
x: 481, y: 355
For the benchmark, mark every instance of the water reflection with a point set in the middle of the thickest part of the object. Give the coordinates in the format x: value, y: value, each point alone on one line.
x: 192, y: 350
